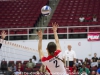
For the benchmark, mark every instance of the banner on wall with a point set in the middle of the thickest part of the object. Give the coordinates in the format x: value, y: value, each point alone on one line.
x: 93, y: 37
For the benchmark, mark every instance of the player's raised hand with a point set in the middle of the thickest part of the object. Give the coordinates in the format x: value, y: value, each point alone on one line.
x: 55, y: 26
x: 39, y: 33
x: 3, y: 34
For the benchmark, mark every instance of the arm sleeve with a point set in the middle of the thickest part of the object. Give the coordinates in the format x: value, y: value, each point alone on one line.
x: 0, y: 45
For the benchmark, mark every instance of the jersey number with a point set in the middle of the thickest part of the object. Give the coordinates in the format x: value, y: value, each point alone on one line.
x: 56, y: 63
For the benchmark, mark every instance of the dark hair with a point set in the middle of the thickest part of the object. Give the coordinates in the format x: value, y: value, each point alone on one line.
x: 51, y: 47
x: 34, y: 57
x: 39, y: 60
x: 86, y: 59
x: 30, y: 59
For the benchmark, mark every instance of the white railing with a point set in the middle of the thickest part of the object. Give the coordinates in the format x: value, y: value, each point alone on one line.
x: 47, y: 34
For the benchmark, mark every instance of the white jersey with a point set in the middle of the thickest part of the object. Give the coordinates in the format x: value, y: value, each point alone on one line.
x: 54, y: 65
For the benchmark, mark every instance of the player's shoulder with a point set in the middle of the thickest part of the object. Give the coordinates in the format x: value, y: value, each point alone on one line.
x: 49, y: 57
x: 57, y: 51
x: 44, y: 59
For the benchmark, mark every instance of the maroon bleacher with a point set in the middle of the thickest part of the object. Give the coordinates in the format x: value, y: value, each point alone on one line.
x: 68, y: 12
x: 20, y: 13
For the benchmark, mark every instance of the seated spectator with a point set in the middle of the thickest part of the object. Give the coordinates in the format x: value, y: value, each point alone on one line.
x: 79, y: 66
x: 94, y: 60
x: 93, y: 73
x: 84, y: 70
x: 19, y: 69
x: 76, y: 63
x: 81, y: 18
x: 3, y: 65
x: 94, y: 18
x: 74, y: 68
x: 11, y: 70
x: 88, y: 18
x: 87, y: 62
x: 34, y: 60
x: 79, y: 62
x: 30, y: 64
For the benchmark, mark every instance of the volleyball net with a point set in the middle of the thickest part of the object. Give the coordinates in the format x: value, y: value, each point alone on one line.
x: 14, y: 52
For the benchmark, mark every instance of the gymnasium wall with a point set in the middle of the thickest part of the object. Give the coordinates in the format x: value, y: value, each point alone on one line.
x: 82, y: 47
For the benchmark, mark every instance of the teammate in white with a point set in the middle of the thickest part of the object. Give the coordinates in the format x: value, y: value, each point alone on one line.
x: 54, y: 63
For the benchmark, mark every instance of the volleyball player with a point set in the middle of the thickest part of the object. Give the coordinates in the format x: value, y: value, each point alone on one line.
x: 3, y: 35
x: 54, y: 61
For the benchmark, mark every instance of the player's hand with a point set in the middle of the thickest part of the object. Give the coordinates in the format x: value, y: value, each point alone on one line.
x: 3, y: 34
x: 39, y: 33
x: 55, y: 26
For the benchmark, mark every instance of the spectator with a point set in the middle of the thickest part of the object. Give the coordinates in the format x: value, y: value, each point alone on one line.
x: 34, y: 60
x: 81, y: 19
x: 79, y: 62
x: 94, y: 60
x: 94, y: 18
x: 84, y: 70
x: 88, y: 18
x: 3, y: 66
x: 30, y: 64
x: 98, y: 71
x: 79, y: 66
x: 93, y: 73
x: 76, y: 62
x: 11, y: 69
x: 87, y: 62
x: 74, y: 68
x: 19, y: 69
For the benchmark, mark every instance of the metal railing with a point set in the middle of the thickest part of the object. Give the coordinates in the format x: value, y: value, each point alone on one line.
x: 48, y: 33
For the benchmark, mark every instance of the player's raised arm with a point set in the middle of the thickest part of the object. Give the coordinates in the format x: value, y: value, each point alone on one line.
x: 3, y: 35
x: 40, y: 43
x: 55, y: 26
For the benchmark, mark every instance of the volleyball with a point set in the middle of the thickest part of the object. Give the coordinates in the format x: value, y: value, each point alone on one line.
x: 46, y: 10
